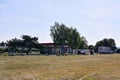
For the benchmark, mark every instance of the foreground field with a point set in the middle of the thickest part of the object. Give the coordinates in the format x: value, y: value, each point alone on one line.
x: 94, y: 67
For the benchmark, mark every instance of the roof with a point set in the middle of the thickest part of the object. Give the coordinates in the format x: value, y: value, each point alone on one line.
x: 47, y: 43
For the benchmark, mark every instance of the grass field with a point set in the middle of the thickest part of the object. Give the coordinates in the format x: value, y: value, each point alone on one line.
x: 87, y: 67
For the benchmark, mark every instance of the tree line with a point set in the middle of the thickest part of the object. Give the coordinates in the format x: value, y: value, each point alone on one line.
x: 61, y: 35
x: 25, y: 44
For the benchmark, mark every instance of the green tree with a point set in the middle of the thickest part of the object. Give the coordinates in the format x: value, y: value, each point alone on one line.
x: 61, y: 35
x: 14, y: 44
x: 91, y: 47
x: 106, y: 42
x: 83, y: 43
x: 29, y: 42
x: 2, y: 43
x: 58, y: 33
x: 113, y: 44
x: 75, y: 37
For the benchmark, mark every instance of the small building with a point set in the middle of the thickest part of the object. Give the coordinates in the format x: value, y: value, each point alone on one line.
x: 53, y: 49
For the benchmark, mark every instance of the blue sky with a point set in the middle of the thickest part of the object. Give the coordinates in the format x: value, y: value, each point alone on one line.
x: 94, y: 19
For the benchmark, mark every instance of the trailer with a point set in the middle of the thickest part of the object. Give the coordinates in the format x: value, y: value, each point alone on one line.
x: 104, y: 50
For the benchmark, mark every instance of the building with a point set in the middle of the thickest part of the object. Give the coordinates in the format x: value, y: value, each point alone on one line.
x: 53, y: 49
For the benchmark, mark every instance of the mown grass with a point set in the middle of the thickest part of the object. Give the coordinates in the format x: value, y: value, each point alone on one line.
x: 88, y: 67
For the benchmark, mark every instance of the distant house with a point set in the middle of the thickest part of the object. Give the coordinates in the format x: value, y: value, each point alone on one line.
x: 51, y: 48
x: 104, y: 49
x: 47, y: 48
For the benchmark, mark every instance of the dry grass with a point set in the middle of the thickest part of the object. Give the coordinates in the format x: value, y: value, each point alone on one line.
x: 95, y: 67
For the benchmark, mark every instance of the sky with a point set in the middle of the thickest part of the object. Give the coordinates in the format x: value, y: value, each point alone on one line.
x: 94, y: 19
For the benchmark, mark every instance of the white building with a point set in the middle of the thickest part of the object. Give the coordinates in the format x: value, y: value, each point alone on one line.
x: 104, y: 49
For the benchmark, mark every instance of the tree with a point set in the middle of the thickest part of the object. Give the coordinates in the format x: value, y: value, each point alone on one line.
x: 61, y: 35
x: 75, y: 37
x: 91, y: 47
x: 25, y: 44
x: 107, y: 43
x: 2, y: 43
x: 29, y: 42
x: 58, y: 33
x: 83, y: 43
x: 113, y: 44
x: 14, y: 44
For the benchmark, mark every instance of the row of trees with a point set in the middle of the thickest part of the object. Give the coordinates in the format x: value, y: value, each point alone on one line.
x: 25, y: 44
x: 62, y: 35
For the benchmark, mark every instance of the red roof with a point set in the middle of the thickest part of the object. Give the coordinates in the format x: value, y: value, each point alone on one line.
x: 47, y: 43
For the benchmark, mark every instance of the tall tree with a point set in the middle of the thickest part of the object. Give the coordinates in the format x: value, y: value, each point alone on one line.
x: 61, y: 34
x: 58, y: 34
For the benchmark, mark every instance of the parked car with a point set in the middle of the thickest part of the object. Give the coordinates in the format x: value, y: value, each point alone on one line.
x: 83, y: 52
